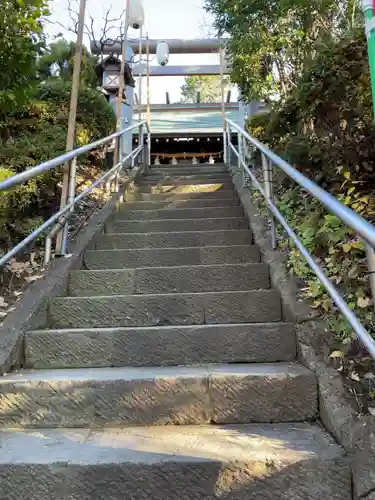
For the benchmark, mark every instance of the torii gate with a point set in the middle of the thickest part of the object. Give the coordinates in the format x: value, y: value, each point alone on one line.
x: 176, y: 46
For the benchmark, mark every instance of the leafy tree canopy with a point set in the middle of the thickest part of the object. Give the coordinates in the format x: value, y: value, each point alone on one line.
x: 21, y: 39
x: 272, y: 41
x: 209, y: 87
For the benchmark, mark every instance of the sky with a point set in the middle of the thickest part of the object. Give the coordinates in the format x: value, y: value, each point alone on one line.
x: 163, y: 19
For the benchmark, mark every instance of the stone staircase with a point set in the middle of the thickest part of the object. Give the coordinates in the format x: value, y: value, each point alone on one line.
x: 167, y: 372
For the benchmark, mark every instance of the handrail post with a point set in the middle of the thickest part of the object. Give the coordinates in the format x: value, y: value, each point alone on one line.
x: 149, y: 150
x: 141, y: 143
x: 61, y: 248
x: 116, y: 184
x: 229, y: 151
x: 268, y: 188
x: 225, y: 153
x: 240, y: 158
x: 370, y: 253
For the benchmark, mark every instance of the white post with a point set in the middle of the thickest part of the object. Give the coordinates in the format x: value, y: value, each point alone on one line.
x: 121, y: 80
x: 61, y: 241
x: 223, y: 101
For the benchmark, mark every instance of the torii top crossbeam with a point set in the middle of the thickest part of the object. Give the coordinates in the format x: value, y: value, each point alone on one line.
x: 195, y: 46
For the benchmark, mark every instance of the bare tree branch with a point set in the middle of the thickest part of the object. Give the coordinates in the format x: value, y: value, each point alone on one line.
x: 98, y: 33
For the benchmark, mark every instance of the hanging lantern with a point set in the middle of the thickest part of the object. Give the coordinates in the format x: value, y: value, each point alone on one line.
x: 174, y: 161
x: 157, y: 161
x: 162, y: 53
x: 195, y: 161
x: 211, y: 160
x: 136, y: 14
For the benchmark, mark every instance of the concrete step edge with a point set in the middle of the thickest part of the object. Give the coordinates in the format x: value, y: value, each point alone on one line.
x: 158, y: 328
x: 221, y: 231
x: 157, y: 309
x: 160, y: 346
x: 173, y: 209
x: 161, y: 279
x: 238, y: 393
x: 241, y: 265
x: 170, y: 248
x: 166, y: 257
x: 75, y: 447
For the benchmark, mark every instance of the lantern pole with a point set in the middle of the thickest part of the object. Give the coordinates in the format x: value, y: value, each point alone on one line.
x: 121, y: 82
x: 140, y: 75
x: 222, y: 86
x: 148, y: 111
x: 69, y: 168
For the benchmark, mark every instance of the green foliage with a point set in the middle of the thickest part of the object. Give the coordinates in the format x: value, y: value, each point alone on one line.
x: 37, y: 134
x: 325, y: 129
x: 58, y: 59
x: 337, y: 250
x: 272, y: 42
x: 208, y: 86
x: 20, y: 42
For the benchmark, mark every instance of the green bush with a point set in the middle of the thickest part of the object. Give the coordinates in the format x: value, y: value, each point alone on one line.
x: 37, y: 134
x: 325, y: 130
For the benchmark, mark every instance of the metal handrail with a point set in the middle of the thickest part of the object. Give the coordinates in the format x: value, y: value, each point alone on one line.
x: 63, y: 215
x: 345, y: 214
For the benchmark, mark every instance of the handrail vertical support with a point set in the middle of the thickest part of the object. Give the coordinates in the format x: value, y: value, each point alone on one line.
x: 116, y: 186
x: 225, y: 146
x: 370, y: 253
x: 240, y: 158
x: 141, y: 143
x: 148, y: 151
x: 229, y: 151
x: 268, y: 188
x: 61, y: 248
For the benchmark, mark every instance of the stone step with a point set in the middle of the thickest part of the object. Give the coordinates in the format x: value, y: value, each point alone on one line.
x: 166, y: 257
x: 189, y: 170
x: 180, y: 279
x: 180, y: 213
x: 181, y: 180
x: 160, y: 346
x: 173, y: 196
x: 190, y: 188
x: 180, y: 204
x: 191, y: 165
x: 173, y: 225
x: 240, y: 462
x: 98, y: 397
x: 255, y: 306
x: 174, y: 240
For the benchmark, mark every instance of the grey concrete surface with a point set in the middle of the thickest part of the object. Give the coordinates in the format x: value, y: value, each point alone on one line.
x: 160, y: 346
x: 173, y: 225
x: 174, y: 187
x: 94, y: 397
x: 177, y: 196
x: 181, y: 279
x: 180, y: 213
x: 169, y: 257
x: 180, y: 204
x: 185, y: 178
x: 249, y: 462
x: 188, y: 170
x: 254, y: 306
x: 174, y: 240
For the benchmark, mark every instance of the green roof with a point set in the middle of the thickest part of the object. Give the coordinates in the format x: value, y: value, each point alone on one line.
x: 190, y: 121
